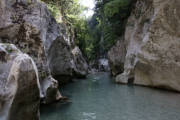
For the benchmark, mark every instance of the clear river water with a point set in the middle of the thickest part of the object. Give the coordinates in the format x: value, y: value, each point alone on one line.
x: 98, y: 98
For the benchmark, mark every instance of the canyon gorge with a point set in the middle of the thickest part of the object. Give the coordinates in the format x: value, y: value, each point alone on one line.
x: 39, y: 55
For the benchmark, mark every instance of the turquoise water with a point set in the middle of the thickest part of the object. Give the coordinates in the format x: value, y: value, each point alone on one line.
x: 98, y: 98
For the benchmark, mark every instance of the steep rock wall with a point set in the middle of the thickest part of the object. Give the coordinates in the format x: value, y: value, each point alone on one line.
x: 152, y: 41
x: 116, y: 57
x: 29, y: 25
x: 19, y: 83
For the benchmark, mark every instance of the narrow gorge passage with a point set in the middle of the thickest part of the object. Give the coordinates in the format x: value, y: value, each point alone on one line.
x: 99, y: 98
x: 89, y: 59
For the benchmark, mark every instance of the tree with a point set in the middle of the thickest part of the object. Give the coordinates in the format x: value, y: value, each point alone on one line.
x: 95, y: 35
x: 112, y: 15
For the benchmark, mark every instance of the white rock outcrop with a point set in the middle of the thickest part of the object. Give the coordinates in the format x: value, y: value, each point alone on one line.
x: 152, y: 40
x: 29, y: 25
x: 19, y: 83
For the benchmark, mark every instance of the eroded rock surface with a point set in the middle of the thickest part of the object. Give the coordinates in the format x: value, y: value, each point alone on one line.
x: 80, y: 65
x: 50, y: 91
x: 116, y: 57
x: 153, y: 44
x: 29, y: 25
x: 103, y: 65
x: 66, y: 62
x: 19, y: 83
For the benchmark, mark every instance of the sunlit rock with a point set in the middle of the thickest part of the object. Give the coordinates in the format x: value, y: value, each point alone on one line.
x: 103, y: 65
x: 49, y: 90
x: 30, y: 26
x: 19, y: 83
x: 153, y: 44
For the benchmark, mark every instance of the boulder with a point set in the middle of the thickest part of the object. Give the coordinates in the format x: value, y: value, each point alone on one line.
x: 80, y: 65
x: 94, y: 65
x: 103, y: 65
x: 60, y: 60
x: 153, y: 44
x: 99, y: 65
x: 116, y: 57
x: 22, y: 24
x: 30, y: 26
x: 19, y: 83
x: 66, y: 62
x: 50, y: 92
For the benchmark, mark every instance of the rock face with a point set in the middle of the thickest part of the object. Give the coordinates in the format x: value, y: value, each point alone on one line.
x: 80, y: 65
x: 50, y: 92
x: 19, y: 83
x: 152, y: 40
x: 116, y: 57
x: 66, y: 62
x: 29, y: 25
x: 103, y: 65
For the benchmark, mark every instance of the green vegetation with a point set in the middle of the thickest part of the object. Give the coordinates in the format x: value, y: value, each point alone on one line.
x: 112, y: 15
x: 95, y: 35
x: 106, y: 26
x: 67, y: 10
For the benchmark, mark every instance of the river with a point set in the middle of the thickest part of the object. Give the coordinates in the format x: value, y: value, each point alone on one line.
x: 99, y: 98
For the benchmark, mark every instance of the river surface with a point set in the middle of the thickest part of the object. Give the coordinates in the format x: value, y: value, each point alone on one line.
x: 99, y: 98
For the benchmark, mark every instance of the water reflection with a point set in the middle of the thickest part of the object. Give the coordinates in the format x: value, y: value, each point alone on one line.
x: 98, y: 98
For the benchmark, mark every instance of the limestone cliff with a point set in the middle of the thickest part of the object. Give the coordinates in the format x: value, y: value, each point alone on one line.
x: 116, y: 57
x: 152, y: 40
x: 29, y: 25
x: 19, y: 83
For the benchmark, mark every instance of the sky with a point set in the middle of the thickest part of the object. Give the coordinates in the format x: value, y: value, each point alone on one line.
x: 90, y: 4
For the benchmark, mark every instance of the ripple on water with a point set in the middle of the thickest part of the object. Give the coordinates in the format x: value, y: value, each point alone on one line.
x: 89, y: 116
x: 98, y: 98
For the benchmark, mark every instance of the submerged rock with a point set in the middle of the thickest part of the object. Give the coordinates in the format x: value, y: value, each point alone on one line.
x: 153, y: 44
x: 19, y: 83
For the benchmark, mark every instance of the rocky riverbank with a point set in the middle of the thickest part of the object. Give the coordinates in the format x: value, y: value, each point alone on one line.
x: 19, y: 83
x: 37, y: 54
x: 149, y: 54
x: 28, y: 25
